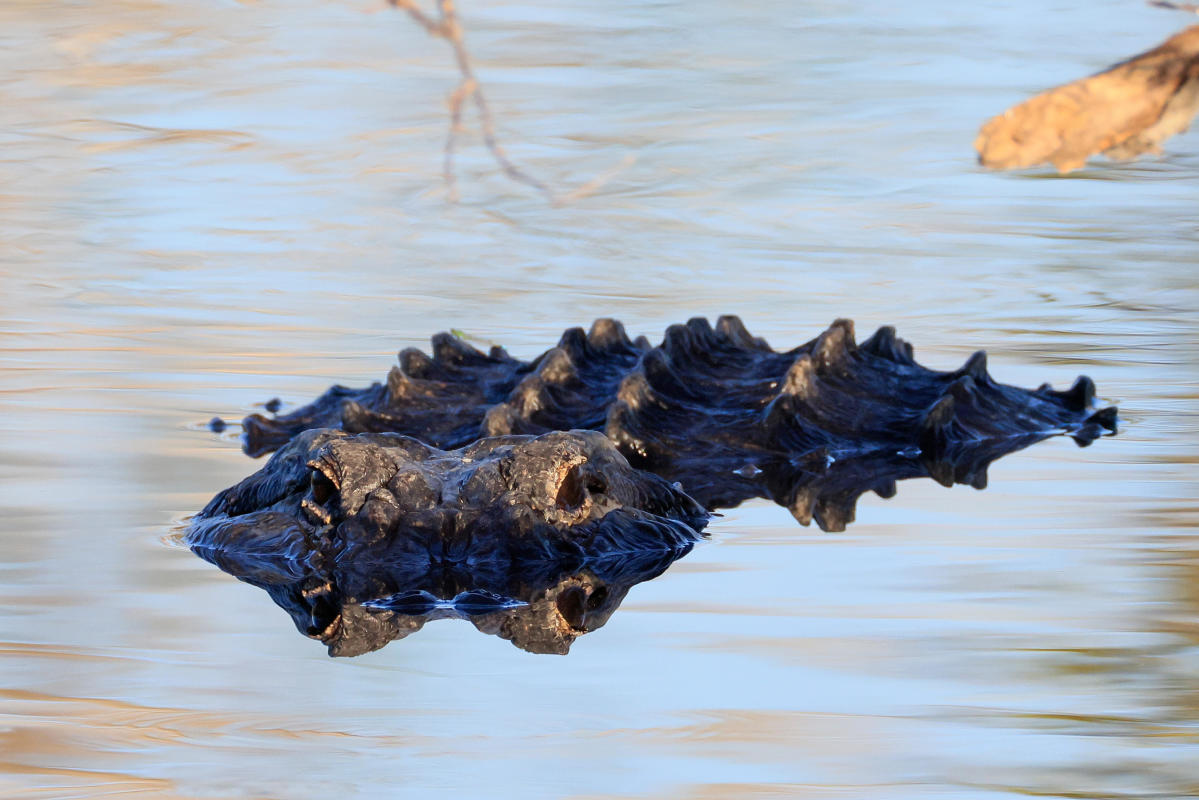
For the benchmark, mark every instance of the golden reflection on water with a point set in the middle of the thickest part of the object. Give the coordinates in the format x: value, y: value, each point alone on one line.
x: 205, y: 205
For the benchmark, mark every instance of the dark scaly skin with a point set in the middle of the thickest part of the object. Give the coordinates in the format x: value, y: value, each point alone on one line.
x: 812, y: 428
x: 363, y: 532
x: 363, y: 537
x: 720, y: 412
x: 332, y: 497
x: 460, y: 394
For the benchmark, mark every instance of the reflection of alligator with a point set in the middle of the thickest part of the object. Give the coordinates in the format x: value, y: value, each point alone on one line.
x: 719, y: 411
x: 357, y: 606
x: 361, y: 538
x: 362, y: 528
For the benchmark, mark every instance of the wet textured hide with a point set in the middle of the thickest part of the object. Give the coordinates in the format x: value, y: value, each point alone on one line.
x: 364, y: 537
x: 720, y: 412
x: 1123, y: 112
x: 459, y: 394
x: 363, y: 533
x: 335, y: 497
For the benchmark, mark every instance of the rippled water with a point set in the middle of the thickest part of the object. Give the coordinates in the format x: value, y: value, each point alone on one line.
x: 207, y: 204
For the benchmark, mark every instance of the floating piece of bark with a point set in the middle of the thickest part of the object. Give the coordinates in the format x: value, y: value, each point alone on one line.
x: 719, y: 411
x: 1122, y: 112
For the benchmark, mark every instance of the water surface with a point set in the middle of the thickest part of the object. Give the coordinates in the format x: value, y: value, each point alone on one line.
x: 205, y: 205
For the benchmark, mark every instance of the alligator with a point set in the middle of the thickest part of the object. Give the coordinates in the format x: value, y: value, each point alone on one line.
x: 718, y: 410
x: 527, y: 496
x: 361, y: 537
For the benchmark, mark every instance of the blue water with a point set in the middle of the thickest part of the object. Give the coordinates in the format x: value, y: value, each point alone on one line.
x: 205, y: 205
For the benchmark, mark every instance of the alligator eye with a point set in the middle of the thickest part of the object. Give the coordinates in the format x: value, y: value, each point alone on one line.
x: 322, y: 487
x: 571, y: 604
x: 322, y: 613
x: 570, y: 491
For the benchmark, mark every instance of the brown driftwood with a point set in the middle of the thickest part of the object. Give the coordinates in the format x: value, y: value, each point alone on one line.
x: 1123, y: 112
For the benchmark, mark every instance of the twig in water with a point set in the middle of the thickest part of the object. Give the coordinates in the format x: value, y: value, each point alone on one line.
x: 447, y: 27
x: 1193, y: 8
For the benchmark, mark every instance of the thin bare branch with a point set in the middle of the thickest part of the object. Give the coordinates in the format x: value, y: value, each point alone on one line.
x: 447, y: 27
x: 432, y: 27
x: 1191, y: 7
x: 449, y: 18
